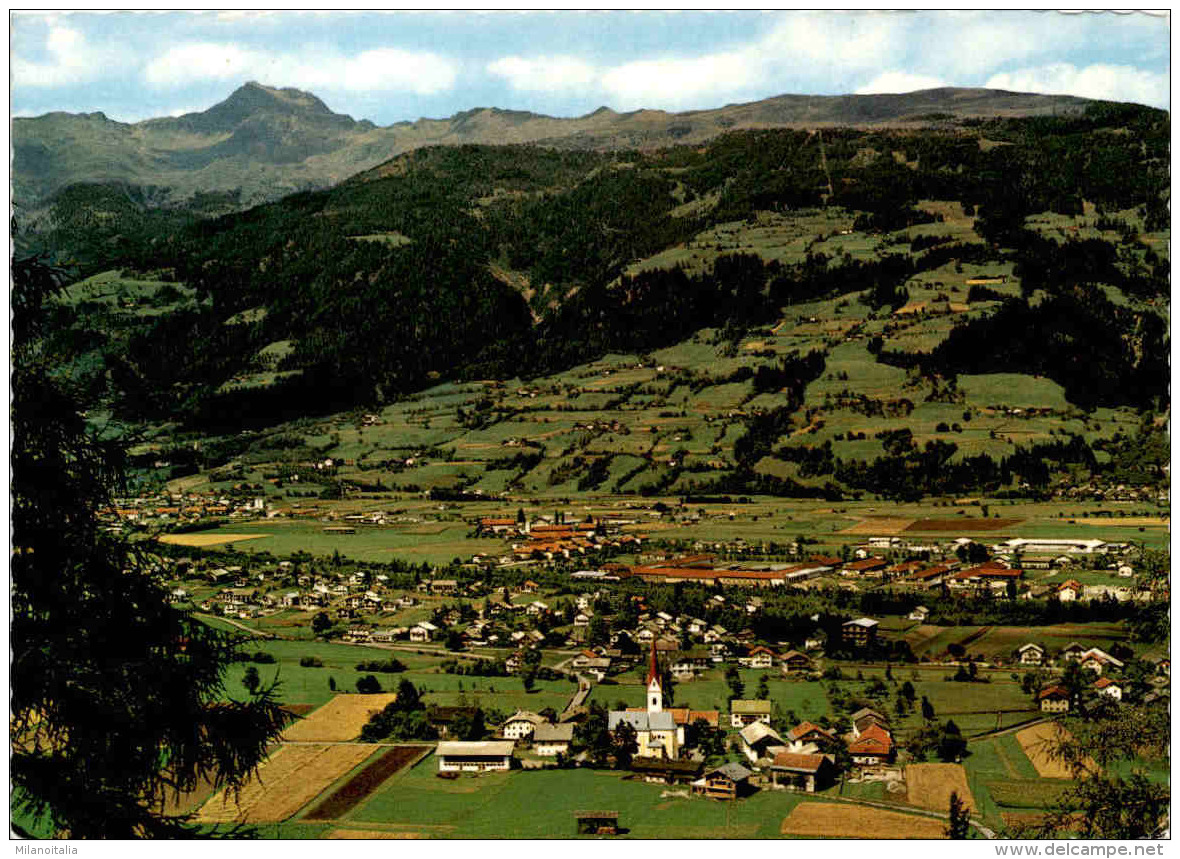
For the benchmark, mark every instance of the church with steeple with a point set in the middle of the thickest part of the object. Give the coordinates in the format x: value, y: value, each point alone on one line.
x: 655, y: 729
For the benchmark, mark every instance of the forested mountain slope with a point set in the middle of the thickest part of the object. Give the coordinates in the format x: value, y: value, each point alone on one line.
x: 848, y: 274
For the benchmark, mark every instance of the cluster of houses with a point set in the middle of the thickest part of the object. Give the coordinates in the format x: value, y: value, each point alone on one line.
x: 546, y: 541
x: 1055, y: 697
x: 181, y: 508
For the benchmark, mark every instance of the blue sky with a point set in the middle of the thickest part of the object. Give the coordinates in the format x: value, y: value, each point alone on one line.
x: 389, y: 67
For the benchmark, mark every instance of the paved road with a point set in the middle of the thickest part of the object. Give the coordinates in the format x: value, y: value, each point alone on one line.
x: 1011, y: 730
x: 235, y: 623
x: 584, y: 687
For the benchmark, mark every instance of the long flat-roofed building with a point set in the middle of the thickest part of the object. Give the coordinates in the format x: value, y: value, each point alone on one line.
x: 493, y: 755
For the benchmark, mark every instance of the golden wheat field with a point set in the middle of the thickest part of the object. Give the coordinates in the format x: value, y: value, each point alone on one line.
x: 208, y: 539
x: 1037, y: 743
x: 837, y: 820
x: 340, y: 720
x: 930, y: 786
x: 369, y: 834
x: 287, y: 781
x: 884, y: 526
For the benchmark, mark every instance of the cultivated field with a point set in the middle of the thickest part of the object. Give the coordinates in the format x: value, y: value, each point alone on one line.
x: 837, y: 820
x: 208, y: 538
x: 930, y: 786
x: 1038, y: 742
x: 356, y: 789
x: 287, y: 781
x: 339, y: 720
x: 369, y: 835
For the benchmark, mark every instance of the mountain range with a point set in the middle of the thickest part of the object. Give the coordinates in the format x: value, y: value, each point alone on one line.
x: 264, y: 142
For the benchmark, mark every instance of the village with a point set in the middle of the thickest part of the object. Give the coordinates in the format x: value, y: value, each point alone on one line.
x: 709, y: 670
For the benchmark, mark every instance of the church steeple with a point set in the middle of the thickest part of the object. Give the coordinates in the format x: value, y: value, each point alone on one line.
x: 655, y: 690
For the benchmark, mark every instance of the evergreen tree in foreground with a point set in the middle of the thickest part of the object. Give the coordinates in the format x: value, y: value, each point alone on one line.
x: 117, y: 698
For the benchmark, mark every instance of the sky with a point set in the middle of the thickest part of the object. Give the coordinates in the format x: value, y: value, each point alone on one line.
x: 396, y: 66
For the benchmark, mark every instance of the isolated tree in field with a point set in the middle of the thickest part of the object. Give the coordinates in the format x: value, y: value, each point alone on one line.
x: 529, y: 678
x: 960, y: 819
x: 734, y: 679
x: 763, y: 687
x: 907, y: 691
x: 117, y: 699
x: 368, y: 685
x: 927, y: 709
x: 251, y: 680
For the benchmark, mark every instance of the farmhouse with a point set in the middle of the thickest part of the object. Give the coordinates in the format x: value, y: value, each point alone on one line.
x: 860, y: 632
x: 494, y: 755
x: 745, y: 712
x: 666, y: 770
x: 1030, y: 654
x: 1054, y: 699
x: 759, y: 657
x: 1097, y: 660
x: 794, y: 662
x: 865, y: 718
x: 807, y: 773
x: 521, y: 724
x: 758, y: 739
x: 690, y: 664
x: 1069, y: 591
x: 422, y: 632
x: 808, y: 738
x: 873, y: 746
x: 553, y: 740
x: 1109, y: 688
x: 728, y: 781
x: 919, y: 614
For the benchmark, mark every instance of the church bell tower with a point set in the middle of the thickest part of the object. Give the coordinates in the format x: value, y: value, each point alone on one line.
x: 655, y: 691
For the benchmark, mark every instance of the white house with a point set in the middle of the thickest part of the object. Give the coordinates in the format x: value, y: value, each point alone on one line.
x: 1109, y: 688
x: 522, y: 724
x: 552, y: 740
x: 422, y: 632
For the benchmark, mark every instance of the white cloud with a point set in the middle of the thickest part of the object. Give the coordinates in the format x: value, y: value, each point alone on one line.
x: 1117, y: 83
x: 835, y: 40
x: 420, y: 72
x: 71, y: 60
x: 543, y: 74
x: 679, y: 82
x: 184, y: 64
x: 895, y: 82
